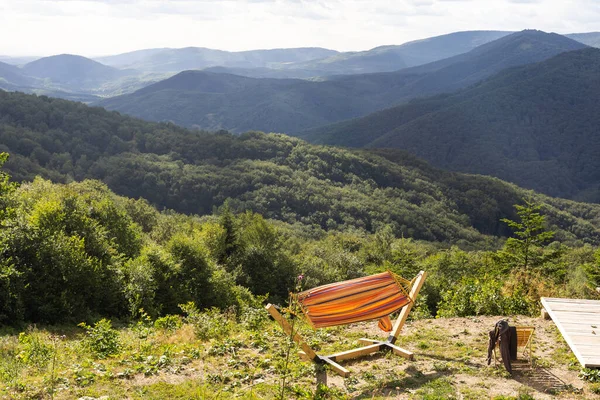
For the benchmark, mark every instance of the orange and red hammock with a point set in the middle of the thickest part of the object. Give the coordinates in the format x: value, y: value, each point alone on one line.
x: 362, y: 299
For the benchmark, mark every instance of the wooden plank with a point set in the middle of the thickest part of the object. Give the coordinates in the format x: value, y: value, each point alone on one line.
x: 586, y: 338
x: 576, y: 308
x: 580, y: 345
x: 573, y: 301
x: 369, y: 341
x: 287, y: 328
x: 401, y: 352
x: 573, y: 319
x: 355, y: 353
x: 580, y: 325
x: 336, y: 367
x: 414, y: 292
x: 579, y: 313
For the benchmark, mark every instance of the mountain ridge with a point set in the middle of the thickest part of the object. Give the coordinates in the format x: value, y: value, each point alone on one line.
x: 532, y: 125
x: 278, y: 176
x: 293, y: 106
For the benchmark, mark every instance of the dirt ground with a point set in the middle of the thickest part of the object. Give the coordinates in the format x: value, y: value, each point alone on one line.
x: 456, y: 349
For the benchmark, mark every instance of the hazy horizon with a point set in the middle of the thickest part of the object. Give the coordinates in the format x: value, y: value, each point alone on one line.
x: 95, y: 28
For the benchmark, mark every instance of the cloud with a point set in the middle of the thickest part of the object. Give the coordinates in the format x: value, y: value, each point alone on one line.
x: 94, y: 27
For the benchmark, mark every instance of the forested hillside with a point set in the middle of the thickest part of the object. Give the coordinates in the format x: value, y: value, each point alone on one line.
x: 277, y: 176
x: 535, y: 125
x: 200, y: 99
x: 186, y: 293
x: 392, y: 58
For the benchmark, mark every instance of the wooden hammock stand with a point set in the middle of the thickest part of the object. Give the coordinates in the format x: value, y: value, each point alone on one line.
x: 371, y: 345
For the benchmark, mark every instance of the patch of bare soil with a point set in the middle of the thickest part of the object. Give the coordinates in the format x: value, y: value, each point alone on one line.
x: 455, y: 351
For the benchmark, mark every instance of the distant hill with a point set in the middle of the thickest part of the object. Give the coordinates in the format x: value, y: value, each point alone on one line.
x: 177, y: 60
x: 392, y: 58
x: 590, y: 38
x: 277, y: 176
x: 14, y: 79
x: 11, y: 76
x: 192, y: 99
x: 73, y: 71
x: 74, y: 78
x: 276, y: 73
x: 536, y: 125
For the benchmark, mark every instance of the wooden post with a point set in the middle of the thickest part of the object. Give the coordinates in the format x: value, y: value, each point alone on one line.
x: 414, y: 292
x: 545, y: 314
x: 288, y: 329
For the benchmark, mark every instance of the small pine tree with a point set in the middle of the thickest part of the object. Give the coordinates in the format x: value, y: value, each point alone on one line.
x: 226, y: 220
x: 530, y: 232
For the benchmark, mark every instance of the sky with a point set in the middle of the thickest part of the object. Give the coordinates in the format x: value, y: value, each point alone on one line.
x: 103, y: 27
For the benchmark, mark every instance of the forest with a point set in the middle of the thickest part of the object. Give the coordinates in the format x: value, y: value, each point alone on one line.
x: 77, y: 251
x: 319, y: 188
x: 533, y: 125
x: 131, y: 250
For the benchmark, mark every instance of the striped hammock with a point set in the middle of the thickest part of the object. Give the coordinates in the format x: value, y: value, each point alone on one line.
x: 356, y: 300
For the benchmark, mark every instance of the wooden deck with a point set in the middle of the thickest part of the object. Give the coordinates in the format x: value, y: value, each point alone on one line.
x: 579, y: 323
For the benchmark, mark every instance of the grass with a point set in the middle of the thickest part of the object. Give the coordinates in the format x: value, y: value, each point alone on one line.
x: 169, y: 360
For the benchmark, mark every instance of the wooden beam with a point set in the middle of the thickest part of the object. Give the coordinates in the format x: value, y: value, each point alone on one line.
x: 544, y: 314
x: 335, y: 366
x: 401, y: 352
x: 287, y: 328
x: 414, y: 292
x: 355, y: 353
x: 369, y: 341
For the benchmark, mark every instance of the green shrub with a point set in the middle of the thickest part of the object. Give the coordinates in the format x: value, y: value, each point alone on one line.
x: 102, y: 340
x: 168, y: 323
x: 208, y: 324
x: 33, y: 350
x: 590, y: 375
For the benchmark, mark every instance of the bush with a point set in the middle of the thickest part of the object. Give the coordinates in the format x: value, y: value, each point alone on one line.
x: 590, y: 375
x: 208, y: 324
x: 33, y: 350
x: 102, y: 340
x: 168, y: 323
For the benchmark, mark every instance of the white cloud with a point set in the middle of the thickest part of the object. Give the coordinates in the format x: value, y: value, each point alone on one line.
x: 94, y: 27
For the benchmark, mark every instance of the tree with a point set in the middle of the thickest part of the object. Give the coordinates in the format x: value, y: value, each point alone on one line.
x: 530, y: 232
x: 6, y: 187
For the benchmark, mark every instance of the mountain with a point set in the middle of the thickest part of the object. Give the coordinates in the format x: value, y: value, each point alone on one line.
x: 177, y: 60
x: 277, y: 176
x: 14, y: 79
x: 392, y: 58
x: 221, y: 101
x: 276, y: 73
x: 125, y: 59
x: 291, y: 106
x: 78, y: 78
x: 590, y: 38
x: 303, y: 62
x: 73, y: 71
x: 11, y: 76
x: 535, y: 125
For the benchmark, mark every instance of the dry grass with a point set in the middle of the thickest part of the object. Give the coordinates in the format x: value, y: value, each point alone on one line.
x: 450, y: 362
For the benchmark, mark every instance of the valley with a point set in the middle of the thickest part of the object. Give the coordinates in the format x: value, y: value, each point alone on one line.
x: 153, y: 201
